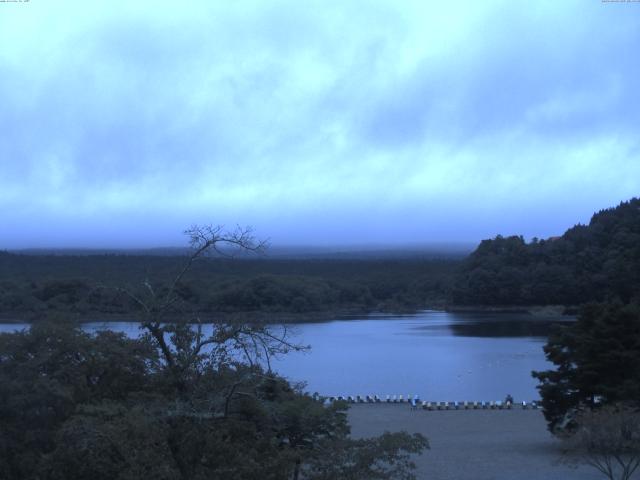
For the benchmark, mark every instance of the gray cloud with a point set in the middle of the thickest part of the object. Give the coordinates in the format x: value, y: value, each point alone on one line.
x: 315, y: 122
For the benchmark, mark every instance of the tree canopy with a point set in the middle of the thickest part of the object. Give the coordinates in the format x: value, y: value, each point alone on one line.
x: 74, y: 405
x: 593, y: 262
x: 34, y: 286
x: 597, y: 362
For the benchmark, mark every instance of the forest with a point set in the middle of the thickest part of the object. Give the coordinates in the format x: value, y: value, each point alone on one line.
x: 87, y: 286
x: 595, y: 262
x: 77, y: 406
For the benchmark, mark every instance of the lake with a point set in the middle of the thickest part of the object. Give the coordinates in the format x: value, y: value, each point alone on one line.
x: 437, y: 355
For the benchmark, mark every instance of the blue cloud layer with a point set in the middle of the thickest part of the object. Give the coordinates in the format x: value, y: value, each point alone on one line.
x: 322, y: 122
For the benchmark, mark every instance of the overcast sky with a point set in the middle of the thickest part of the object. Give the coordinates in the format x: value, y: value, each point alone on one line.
x: 346, y: 122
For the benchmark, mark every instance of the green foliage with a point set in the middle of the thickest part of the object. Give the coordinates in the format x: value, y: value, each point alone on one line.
x: 597, y: 361
x: 87, y: 286
x: 46, y: 372
x: 588, y: 263
x: 372, y: 459
x: 73, y: 405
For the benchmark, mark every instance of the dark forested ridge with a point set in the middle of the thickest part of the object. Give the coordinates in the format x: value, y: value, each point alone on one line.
x: 595, y: 262
x: 85, y: 285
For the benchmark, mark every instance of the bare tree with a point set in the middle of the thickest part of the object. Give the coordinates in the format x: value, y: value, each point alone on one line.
x: 607, y: 439
x: 184, y: 344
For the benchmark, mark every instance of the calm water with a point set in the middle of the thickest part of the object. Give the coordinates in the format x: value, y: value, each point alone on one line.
x: 437, y: 355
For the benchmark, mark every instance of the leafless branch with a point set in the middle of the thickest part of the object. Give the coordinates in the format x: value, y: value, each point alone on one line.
x: 608, y: 439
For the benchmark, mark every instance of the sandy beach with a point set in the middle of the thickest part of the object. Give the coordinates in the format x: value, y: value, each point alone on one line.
x: 474, y: 444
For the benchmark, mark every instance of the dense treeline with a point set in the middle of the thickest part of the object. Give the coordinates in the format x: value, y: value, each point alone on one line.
x: 595, y: 262
x: 33, y: 285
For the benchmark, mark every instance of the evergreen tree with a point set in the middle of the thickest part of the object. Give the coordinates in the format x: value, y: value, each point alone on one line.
x: 597, y: 362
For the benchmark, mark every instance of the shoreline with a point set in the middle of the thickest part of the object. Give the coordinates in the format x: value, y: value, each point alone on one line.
x: 535, y: 311
x: 248, y: 316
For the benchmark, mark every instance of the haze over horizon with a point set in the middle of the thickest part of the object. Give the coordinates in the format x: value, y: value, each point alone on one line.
x: 323, y: 123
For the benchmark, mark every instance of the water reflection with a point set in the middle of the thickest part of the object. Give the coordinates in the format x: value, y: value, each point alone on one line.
x: 438, y: 355
x: 496, y: 325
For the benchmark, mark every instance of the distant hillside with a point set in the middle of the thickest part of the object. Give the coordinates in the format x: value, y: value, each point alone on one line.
x: 448, y: 250
x: 589, y: 262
